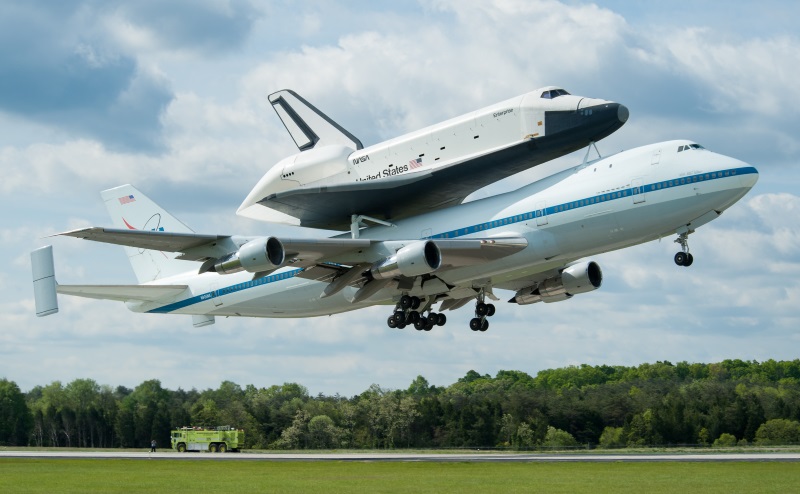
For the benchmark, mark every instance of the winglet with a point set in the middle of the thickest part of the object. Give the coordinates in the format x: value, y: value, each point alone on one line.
x: 307, y: 125
x: 44, y: 281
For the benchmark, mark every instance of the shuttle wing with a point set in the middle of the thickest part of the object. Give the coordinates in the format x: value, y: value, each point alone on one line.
x: 402, y: 196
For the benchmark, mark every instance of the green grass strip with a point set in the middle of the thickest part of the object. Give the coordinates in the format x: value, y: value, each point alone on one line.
x: 177, y: 476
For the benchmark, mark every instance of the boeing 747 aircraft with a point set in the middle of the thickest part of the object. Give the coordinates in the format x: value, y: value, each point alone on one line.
x: 533, y: 241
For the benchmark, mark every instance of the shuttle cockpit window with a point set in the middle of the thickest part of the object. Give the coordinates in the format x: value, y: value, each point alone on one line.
x: 689, y: 146
x: 554, y: 93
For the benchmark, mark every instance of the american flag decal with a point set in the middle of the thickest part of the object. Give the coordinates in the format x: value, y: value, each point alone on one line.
x: 126, y: 199
x: 415, y: 163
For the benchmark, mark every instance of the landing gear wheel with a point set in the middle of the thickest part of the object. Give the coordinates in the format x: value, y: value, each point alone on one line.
x: 481, y: 309
x: 683, y: 258
x: 433, y: 318
x: 484, y: 325
x: 413, y: 317
x: 390, y: 322
x: 441, y: 319
x: 405, y: 302
x: 475, y: 324
x: 490, y: 310
x: 420, y: 324
x: 399, y: 318
x: 401, y: 326
x: 428, y: 326
x: 415, y: 301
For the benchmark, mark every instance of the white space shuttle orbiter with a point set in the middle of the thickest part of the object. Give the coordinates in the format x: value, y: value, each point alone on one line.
x: 334, y: 178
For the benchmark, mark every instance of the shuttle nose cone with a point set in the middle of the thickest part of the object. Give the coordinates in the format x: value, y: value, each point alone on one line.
x: 622, y: 113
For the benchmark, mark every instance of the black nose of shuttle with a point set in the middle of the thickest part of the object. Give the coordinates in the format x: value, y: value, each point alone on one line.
x: 590, y: 123
x: 622, y: 113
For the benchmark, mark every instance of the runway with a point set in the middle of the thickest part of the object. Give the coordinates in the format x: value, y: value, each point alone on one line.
x: 413, y: 457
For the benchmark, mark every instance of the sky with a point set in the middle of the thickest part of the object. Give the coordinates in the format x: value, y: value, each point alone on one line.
x: 172, y: 97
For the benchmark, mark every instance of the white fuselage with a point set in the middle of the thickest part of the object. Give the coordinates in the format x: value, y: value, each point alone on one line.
x: 614, y: 202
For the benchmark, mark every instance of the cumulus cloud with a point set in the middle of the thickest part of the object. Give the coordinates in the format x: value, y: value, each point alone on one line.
x: 204, y: 27
x: 183, y: 79
x: 73, y: 65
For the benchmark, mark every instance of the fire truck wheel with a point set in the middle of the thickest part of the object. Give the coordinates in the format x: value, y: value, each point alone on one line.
x: 223, y: 448
x: 181, y: 448
x: 213, y: 447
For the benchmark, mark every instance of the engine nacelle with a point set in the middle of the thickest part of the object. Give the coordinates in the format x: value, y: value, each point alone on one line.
x: 576, y: 278
x: 419, y: 258
x: 262, y: 254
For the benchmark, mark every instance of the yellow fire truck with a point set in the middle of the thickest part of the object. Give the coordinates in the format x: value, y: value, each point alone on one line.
x: 219, y: 439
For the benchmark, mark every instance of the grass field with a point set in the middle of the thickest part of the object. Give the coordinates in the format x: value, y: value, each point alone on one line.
x: 176, y: 476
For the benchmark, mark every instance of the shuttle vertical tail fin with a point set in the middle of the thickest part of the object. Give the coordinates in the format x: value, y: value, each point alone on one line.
x: 308, y: 126
x: 131, y: 209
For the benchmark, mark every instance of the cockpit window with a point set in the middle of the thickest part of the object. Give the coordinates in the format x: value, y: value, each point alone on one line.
x: 554, y: 93
x: 689, y: 146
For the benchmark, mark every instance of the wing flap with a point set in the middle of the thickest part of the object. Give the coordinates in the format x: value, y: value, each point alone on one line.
x: 308, y: 252
x: 467, y: 252
x: 123, y: 293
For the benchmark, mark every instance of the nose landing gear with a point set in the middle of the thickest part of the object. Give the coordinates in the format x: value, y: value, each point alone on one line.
x: 683, y: 258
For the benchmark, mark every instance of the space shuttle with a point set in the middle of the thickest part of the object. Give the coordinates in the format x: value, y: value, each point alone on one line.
x: 334, y: 182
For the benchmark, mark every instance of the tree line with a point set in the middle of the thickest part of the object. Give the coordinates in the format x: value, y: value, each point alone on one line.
x: 721, y: 404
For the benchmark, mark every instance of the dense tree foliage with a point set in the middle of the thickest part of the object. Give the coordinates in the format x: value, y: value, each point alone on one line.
x: 15, y: 418
x: 722, y: 404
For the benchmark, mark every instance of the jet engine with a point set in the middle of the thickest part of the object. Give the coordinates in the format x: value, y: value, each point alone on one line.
x: 576, y: 278
x: 419, y: 258
x: 262, y: 254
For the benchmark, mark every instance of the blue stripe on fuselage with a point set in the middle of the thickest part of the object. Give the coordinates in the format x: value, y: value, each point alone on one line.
x: 225, y: 291
x: 482, y: 227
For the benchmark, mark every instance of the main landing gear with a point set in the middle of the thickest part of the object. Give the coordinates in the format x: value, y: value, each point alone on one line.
x: 482, y: 311
x: 406, y: 313
x: 683, y: 258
